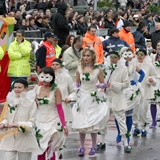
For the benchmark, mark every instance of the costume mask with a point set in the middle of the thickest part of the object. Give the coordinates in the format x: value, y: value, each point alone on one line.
x: 45, y: 77
x: 127, y: 54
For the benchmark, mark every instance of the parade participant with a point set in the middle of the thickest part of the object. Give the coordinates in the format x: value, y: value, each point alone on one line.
x: 50, y: 116
x: 19, y: 55
x: 67, y: 87
x: 91, y: 110
x: 116, y: 81
x: 134, y: 92
x: 20, y: 114
x: 148, y: 84
x: 156, y: 62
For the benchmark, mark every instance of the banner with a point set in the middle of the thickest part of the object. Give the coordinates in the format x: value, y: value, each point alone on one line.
x: 6, y: 37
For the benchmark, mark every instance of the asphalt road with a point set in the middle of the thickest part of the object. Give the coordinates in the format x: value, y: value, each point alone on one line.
x: 143, y: 148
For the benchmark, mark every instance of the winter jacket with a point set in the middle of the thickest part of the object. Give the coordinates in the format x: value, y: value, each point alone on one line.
x: 155, y: 37
x: 60, y: 24
x: 139, y: 39
x: 113, y: 43
x: 128, y: 37
x: 96, y: 43
x: 19, y: 55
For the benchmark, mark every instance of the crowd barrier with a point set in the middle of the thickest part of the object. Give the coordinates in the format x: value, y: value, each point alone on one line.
x: 37, y: 35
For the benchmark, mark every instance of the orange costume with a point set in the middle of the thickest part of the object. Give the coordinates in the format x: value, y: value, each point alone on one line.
x: 128, y: 37
x: 96, y: 43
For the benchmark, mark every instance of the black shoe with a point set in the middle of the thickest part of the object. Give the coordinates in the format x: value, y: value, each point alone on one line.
x: 101, y: 146
x: 127, y: 149
x: 60, y: 156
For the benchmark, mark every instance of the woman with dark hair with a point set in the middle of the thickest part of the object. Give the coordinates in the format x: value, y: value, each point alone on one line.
x: 19, y: 113
x: 69, y: 40
x: 67, y: 87
x: 62, y: 51
x: 82, y: 28
x: 72, y: 22
x: 50, y: 116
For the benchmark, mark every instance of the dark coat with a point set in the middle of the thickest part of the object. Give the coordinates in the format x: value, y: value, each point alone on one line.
x: 113, y: 44
x: 139, y: 39
x: 60, y: 24
x: 155, y: 37
x: 3, y: 9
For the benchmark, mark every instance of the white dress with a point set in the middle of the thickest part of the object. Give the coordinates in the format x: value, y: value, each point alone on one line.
x: 157, y: 87
x: 68, y: 90
x: 90, y: 113
x: 48, y: 122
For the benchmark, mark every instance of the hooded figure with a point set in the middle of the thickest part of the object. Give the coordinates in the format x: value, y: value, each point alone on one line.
x: 61, y: 27
x: 3, y: 9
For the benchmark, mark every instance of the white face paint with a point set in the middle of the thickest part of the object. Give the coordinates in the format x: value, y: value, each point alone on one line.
x: 45, y: 77
x: 127, y: 54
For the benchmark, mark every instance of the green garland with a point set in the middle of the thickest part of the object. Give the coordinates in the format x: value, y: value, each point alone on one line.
x: 38, y: 135
x: 157, y: 63
x: 60, y: 127
x: 86, y: 77
x: 134, y: 95
x: 43, y: 100
x: 127, y: 134
x: 22, y: 129
x: 112, y: 67
x: 12, y: 108
x: 94, y: 94
x: 156, y: 94
x: 53, y: 87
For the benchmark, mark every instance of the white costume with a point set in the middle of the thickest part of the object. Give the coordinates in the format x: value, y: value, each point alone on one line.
x: 148, y: 87
x: 91, y: 111
x: 133, y: 93
x: 157, y: 68
x: 119, y: 81
x: 25, y: 115
x: 68, y: 90
x: 48, y: 122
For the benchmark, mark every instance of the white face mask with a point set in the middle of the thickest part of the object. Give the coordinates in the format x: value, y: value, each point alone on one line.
x: 127, y: 54
x: 45, y: 77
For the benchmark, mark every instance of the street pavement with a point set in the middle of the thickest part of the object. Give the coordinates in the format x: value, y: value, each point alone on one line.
x: 143, y: 148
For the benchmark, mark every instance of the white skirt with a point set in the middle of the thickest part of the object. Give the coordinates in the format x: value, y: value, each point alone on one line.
x: 52, y: 139
x: 90, y: 115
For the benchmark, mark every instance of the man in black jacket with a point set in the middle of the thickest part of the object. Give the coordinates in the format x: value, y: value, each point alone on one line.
x: 154, y: 36
x: 139, y: 36
x: 60, y: 24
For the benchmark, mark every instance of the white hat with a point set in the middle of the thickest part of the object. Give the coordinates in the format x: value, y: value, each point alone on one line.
x: 136, y: 16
